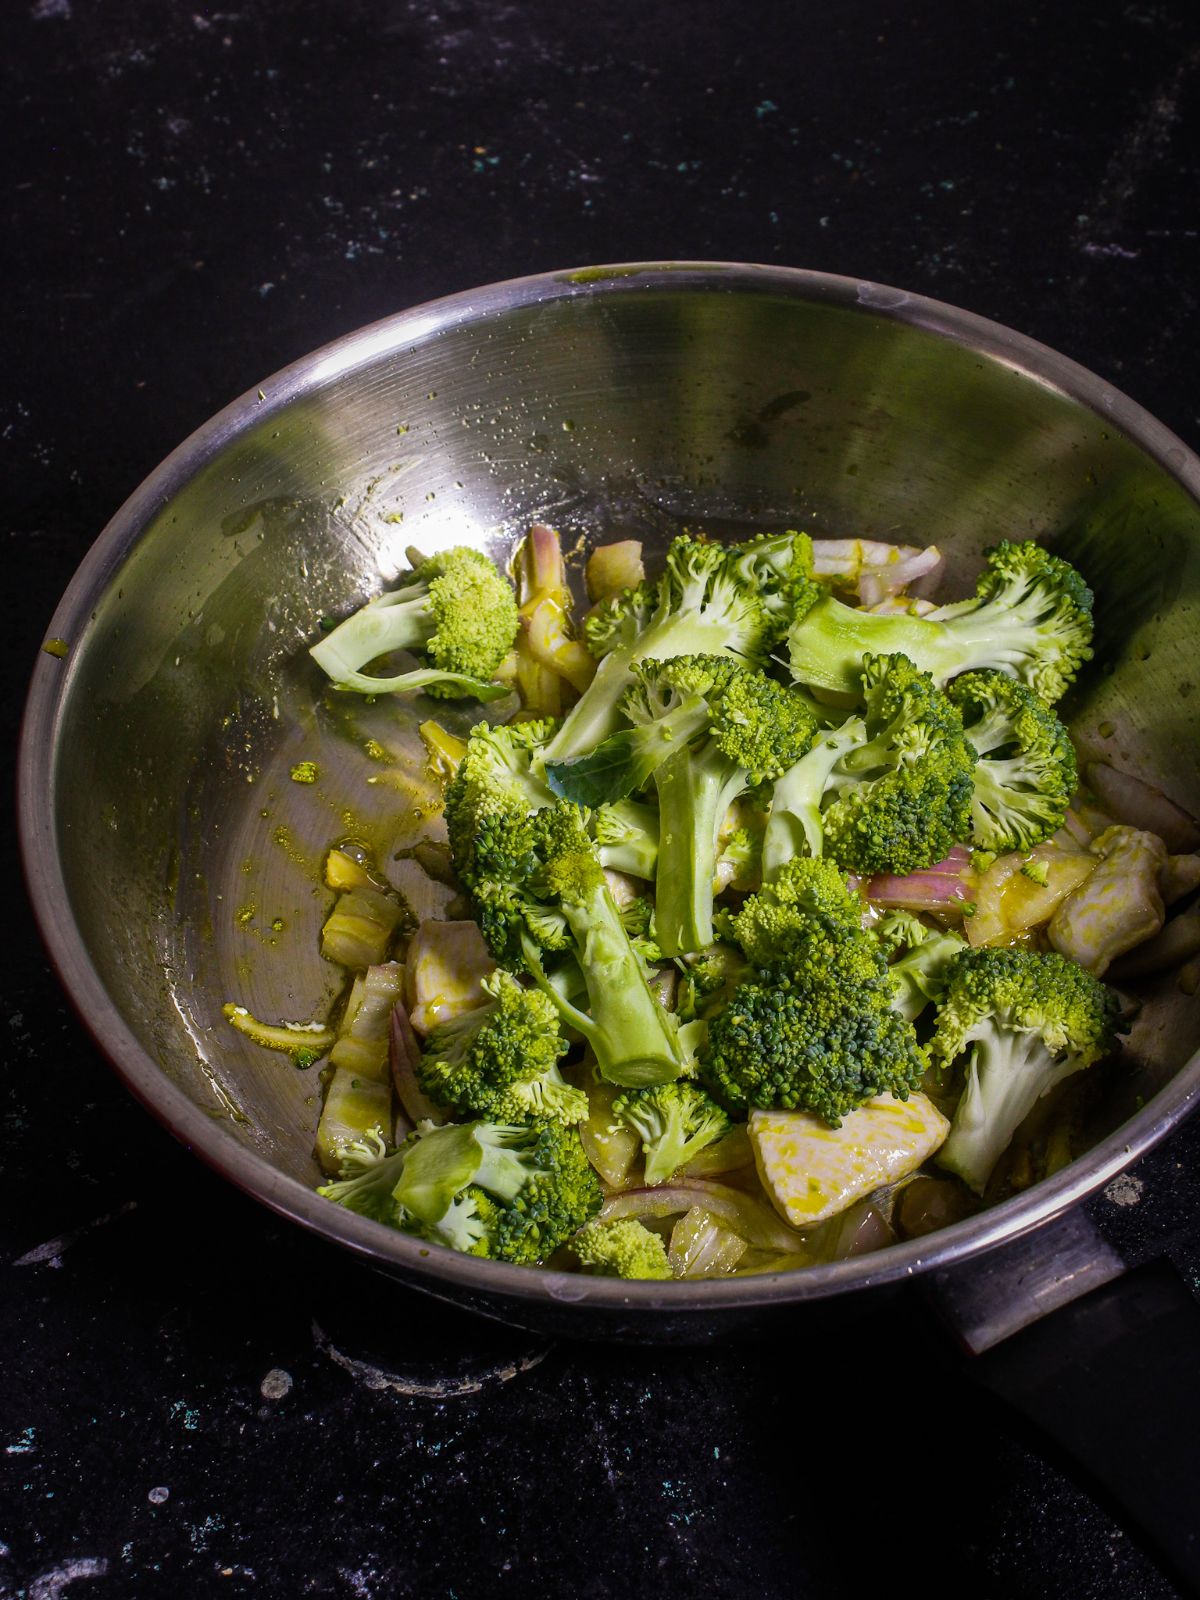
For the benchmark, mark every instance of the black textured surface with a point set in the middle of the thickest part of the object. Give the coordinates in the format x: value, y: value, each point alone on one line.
x: 195, y: 1399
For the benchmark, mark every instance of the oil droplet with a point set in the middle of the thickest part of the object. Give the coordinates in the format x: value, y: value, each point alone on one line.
x: 277, y: 925
x: 1107, y: 729
x: 568, y: 426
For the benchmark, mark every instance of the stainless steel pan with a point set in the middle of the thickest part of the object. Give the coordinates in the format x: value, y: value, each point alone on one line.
x: 172, y: 863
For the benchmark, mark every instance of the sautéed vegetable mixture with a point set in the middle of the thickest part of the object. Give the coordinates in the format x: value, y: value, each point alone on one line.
x: 789, y: 914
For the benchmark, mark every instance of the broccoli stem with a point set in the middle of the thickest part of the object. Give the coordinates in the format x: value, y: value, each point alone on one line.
x: 634, y: 1040
x: 694, y: 793
x: 595, y: 715
x: 1006, y: 1075
x: 794, y: 824
x: 399, y: 620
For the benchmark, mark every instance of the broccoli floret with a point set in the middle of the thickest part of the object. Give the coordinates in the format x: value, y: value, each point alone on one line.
x: 705, y: 729
x: 454, y: 608
x: 1018, y: 1022
x: 637, y: 917
x: 493, y: 794
x: 778, y: 567
x: 786, y: 1042
x: 814, y: 1028
x: 887, y: 791
x: 1031, y: 617
x: 623, y: 1249
x: 674, y: 1121
x: 369, y: 1175
x: 707, y: 979
x: 536, y: 885
x: 805, y: 896
x: 920, y: 975
x: 514, y: 1192
x: 700, y: 605
x: 627, y: 836
x: 1026, y: 774
x: 501, y: 1060
x: 898, y: 931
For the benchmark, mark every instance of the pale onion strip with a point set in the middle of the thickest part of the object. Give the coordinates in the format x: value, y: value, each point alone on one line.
x: 404, y: 1052
x: 746, y: 1216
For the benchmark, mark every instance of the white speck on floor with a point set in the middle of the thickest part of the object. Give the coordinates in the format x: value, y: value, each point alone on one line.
x: 1125, y: 1190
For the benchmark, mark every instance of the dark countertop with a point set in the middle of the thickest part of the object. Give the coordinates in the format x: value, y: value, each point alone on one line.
x: 195, y: 1398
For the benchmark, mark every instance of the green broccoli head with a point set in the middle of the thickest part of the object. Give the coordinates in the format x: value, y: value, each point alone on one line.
x: 616, y: 622
x: 707, y: 978
x: 919, y: 976
x: 887, y: 791
x: 778, y: 567
x: 1016, y: 1022
x: 1030, y: 617
x: 537, y: 885
x: 807, y: 896
x: 500, y: 1060
x: 700, y: 605
x: 368, y: 1177
x: 816, y: 1032
x: 1026, y: 774
x: 454, y: 608
x: 623, y: 1249
x: 514, y: 1192
x: 674, y: 1121
x: 491, y: 808
x: 561, y: 1194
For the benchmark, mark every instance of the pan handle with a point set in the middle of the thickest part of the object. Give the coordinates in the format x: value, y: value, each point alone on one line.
x: 1104, y: 1362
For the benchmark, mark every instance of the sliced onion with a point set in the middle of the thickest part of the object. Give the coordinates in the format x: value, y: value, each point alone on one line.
x: 404, y: 1052
x: 857, y: 1230
x: 945, y: 886
x: 742, y: 1213
x: 702, y: 1248
x: 1142, y: 806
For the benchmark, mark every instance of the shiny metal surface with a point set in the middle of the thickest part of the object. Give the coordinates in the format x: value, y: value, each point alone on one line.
x: 163, y: 840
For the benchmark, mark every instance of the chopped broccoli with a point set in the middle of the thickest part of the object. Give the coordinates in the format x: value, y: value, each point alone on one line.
x: 513, y: 1192
x: 637, y: 917
x: 1030, y: 617
x: 705, y: 729
x: 626, y: 833
x: 501, y: 1060
x: 920, y: 975
x: 674, y: 1121
x: 778, y: 567
x: 887, y: 791
x: 624, y: 1249
x: 454, y: 608
x: 700, y: 605
x: 536, y: 884
x: 812, y: 1026
x: 707, y: 979
x: 1025, y: 777
x: 1019, y: 1022
x: 807, y: 895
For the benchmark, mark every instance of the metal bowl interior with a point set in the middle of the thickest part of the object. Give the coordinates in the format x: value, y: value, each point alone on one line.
x: 172, y: 863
